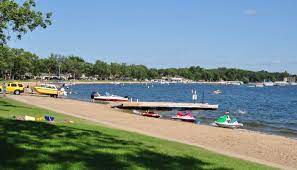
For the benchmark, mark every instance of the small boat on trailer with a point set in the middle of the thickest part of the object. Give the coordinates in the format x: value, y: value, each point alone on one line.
x: 47, y: 89
x: 188, y: 117
x: 151, y: 114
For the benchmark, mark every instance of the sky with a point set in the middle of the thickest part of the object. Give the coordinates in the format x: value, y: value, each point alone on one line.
x: 246, y: 34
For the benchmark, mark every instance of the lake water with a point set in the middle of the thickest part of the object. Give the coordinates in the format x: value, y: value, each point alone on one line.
x: 268, y: 109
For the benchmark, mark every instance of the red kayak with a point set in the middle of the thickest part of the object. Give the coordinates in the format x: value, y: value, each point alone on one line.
x: 151, y: 114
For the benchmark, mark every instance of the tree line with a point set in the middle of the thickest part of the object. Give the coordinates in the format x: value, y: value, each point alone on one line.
x: 20, y: 18
x: 16, y: 63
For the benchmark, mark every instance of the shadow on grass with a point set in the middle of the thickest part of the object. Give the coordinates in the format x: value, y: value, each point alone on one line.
x: 33, y: 145
x: 8, y: 104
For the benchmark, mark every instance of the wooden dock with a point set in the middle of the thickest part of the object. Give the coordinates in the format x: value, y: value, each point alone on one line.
x: 167, y: 106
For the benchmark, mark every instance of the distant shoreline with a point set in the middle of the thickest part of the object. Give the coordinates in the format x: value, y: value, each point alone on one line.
x: 36, y: 83
x: 33, y: 83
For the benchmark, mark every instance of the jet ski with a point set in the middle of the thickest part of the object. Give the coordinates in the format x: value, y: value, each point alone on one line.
x: 226, y: 122
x: 188, y: 117
x: 151, y: 114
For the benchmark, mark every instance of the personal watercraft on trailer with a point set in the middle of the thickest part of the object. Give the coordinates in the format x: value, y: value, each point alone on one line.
x: 188, y: 117
x: 226, y: 122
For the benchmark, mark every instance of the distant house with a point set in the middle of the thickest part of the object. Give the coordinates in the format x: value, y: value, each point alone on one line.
x: 84, y: 77
x: 176, y: 79
x: 290, y: 79
x: 46, y: 76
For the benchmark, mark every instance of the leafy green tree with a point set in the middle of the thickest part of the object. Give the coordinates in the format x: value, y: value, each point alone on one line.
x: 116, y: 70
x: 153, y: 73
x: 139, y: 72
x: 6, y: 61
x: 20, y: 18
x: 102, y: 70
x: 88, y: 69
x: 75, y: 66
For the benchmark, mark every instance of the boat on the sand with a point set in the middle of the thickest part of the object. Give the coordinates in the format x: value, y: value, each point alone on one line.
x: 151, y: 114
x: 188, y: 117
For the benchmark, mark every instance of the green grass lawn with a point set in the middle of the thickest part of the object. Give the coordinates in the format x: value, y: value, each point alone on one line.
x: 86, y: 145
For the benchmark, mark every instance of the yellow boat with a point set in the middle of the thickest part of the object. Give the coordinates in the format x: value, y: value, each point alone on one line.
x: 48, y: 89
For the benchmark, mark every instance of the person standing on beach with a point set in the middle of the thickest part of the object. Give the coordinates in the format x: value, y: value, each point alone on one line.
x: 4, y: 89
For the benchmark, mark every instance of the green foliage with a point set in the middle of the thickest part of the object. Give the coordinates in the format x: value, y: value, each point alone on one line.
x: 14, y: 63
x: 86, y: 145
x: 20, y: 19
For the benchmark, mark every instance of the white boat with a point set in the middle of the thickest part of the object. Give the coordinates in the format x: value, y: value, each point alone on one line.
x: 259, y: 85
x: 234, y: 83
x: 164, y: 82
x: 281, y: 83
x: 108, y: 97
x: 116, y: 83
x: 293, y: 84
x: 268, y: 84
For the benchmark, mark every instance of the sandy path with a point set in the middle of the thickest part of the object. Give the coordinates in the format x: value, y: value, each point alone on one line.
x: 262, y: 148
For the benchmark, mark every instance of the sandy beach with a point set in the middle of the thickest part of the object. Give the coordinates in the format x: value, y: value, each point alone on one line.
x: 267, y: 149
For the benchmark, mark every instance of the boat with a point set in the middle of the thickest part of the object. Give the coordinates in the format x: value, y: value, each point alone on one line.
x: 293, y: 84
x: 235, y: 83
x: 217, y: 92
x: 116, y: 83
x: 188, y: 117
x: 226, y: 122
x: 109, y: 97
x: 268, y: 83
x: 47, y: 89
x: 281, y: 83
x: 259, y: 85
x: 251, y: 85
x: 151, y: 114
